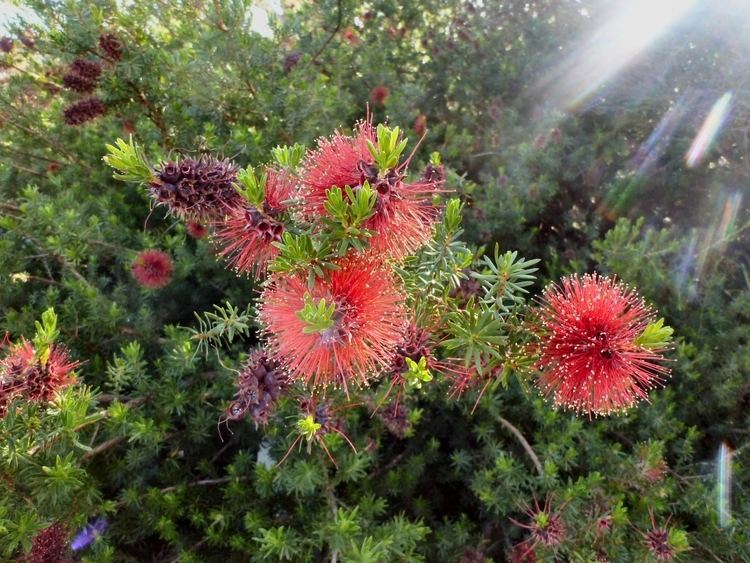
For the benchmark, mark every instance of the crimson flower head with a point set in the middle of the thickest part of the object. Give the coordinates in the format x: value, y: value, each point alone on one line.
x: 246, y: 235
x: 196, y: 189
x: 50, y: 545
x: 23, y: 374
x: 196, y: 230
x: 260, y: 382
x: 420, y: 125
x: 356, y: 338
x: 379, y: 95
x: 111, y: 46
x: 657, y: 540
x: 545, y: 526
x: 85, y: 110
x: 591, y: 358
x: 404, y: 213
x: 152, y: 268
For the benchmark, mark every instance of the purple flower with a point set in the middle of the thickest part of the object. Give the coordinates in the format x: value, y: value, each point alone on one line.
x: 86, y: 537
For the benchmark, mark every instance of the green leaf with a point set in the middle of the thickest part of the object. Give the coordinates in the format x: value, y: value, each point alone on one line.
x: 128, y: 161
x: 417, y: 373
x: 252, y: 186
x: 46, y: 334
x: 289, y: 156
x: 388, y: 150
x: 319, y: 318
x: 655, y: 336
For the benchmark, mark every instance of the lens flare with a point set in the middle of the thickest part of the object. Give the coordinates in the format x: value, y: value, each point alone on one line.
x: 709, y: 242
x: 724, y: 484
x: 708, y: 132
x: 628, y: 31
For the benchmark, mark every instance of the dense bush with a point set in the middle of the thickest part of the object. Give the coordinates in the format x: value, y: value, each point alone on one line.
x: 139, y: 456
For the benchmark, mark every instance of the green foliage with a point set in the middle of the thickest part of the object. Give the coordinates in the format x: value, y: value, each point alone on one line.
x: 389, y: 148
x: 506, y: 279
x: 145, y: 451
x: 655, y: 335
x: 289, y: 157
x: 319, y: 318
x: 128, y: 161
x: 251, y: 186
x: 222, y: 325
x: 417, y: 373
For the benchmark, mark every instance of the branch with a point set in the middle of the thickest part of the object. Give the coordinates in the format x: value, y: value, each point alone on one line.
x: 526, y: 446
x: 333, y: 34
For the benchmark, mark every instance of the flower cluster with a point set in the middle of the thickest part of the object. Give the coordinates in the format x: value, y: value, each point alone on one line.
x: 50, y: 545
x: 592, y: 356
x: 196, y: 189
x: 152, y: 269
x: 247, y: 234
x: 365, y: 287
x: 82, y: 76
x: 365, y: 324
x: 111, y: 46
x: 34, y: 375
x: 85, y: 110
x: 260, y: 383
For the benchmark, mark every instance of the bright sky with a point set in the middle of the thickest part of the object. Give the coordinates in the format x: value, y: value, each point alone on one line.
x: 259, y: 11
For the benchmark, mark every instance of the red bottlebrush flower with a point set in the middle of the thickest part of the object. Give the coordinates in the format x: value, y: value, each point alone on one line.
x: 152, y: 268
x: 395, y: 417
x: 78, y: 83
x: 196, y: 230
x: 128, y: 127
x: 379, y: 95
x: 368, y: 323
x: 260, y: 383
x: 657, y: 541
x: 546, y: 527
x: 522, y: 553
x: 604, y: 524
x: 50, y: 545
x: 111, y: 46
x: 90, y: 70
x: 6, y: 44
x: 246, y: 235
x: 472, y: 555
x: 589, y: 358
x: 404, y: 213
x: 22, y: 374
x: 350, y: 36
x: 84, y: 110
x: 291, y: 60
x: 198, y: 190
x: 420, y: 125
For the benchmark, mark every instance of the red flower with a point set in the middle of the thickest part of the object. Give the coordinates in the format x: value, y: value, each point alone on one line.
x: 152, y: 268
x: 657, y: 541
x: 50, y: 545
x: 404, y: 213
x: 246, y: 235
x: 350, y: 36
x: 369, y: 319
x: 196, y: 230
x: 590, y: 358
x: 547, y: 528
x: 379, y: 95
x: 260, y: 382
x: 420, y: 124
x: 22, y: 374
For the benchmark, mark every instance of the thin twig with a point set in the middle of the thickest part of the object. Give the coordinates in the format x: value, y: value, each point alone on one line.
x: 333, y: 34
x: 524, y: 443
